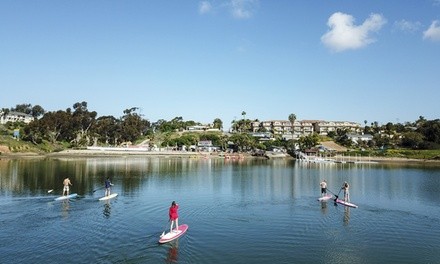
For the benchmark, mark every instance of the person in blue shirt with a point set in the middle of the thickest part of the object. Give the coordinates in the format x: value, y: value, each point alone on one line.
x: 108, y: 185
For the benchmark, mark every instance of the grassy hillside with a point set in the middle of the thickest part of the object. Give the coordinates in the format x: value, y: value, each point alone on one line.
x: 400, y: 153
x: 9, y: 144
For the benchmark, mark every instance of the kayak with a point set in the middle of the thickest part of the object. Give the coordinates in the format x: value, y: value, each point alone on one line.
x: 65, y: 197
x: 170, y: 236
x: 108, y: 197
x: 346, y: 203
x: 325, y: 198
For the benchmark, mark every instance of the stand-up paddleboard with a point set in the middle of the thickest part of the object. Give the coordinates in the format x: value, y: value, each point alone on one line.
x: 73, y: 195
x: 170, y: 236
x: 346, y: 203
x: 108, y: 197
x: 325, y: 198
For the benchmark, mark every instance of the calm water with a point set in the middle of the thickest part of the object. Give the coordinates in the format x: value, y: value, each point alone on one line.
x: 251, y: 211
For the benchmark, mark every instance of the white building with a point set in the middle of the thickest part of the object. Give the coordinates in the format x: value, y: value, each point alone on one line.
x: 15, y: 117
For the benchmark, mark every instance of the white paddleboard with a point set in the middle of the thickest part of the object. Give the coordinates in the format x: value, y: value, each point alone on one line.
x: 108, y: 197
x: 346, y: 203
x: 73, y: 195
x: 325, y: 198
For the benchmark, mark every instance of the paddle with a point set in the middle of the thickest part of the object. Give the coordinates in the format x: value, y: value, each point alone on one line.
x: 102, y: 187
x: 330, y: 191
x: 98, y: 189
x: 337, y: 196
x: 165, y: 227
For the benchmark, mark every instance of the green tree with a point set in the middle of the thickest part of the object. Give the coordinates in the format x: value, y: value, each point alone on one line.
x: 412, y: 140
x: 106, y: 130
x: 37, y: 111
x: 218, y: 123
x: 243, y: 122
x: 292, y: 119
x: 243, y: 141
x: 23, y: 108
x: 53, y: 127
x: 420, y: 121
x: 430, y: 130
x: 308, y: 141
x: 82, y: 121
x: 132, y: 125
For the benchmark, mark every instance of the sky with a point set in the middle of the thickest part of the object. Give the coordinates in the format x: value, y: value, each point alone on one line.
x: 335, y: 60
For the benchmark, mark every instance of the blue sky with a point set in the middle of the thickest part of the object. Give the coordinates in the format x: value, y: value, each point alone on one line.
x: 340, y: 60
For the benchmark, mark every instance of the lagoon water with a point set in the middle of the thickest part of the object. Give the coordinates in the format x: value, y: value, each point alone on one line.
x: 246, y: 211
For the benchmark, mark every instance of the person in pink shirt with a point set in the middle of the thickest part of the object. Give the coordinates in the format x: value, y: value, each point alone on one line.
x: 174, y: 216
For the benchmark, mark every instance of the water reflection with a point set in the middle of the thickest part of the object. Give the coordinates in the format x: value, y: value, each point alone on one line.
x: 346, y: 219
x: 107, y: 209
x: 173, y: 252
x: 65, y: 206
x: 324, y: 210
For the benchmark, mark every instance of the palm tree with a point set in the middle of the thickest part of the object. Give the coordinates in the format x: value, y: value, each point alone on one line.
x: 218, y: 123
x: 244, y: 119
x: 292, y: 119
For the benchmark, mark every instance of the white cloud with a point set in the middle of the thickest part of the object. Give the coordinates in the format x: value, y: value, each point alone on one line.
x: 240, y: 9
x: 205, y: 7
x: 433, y: 32
x: 407, y: 26
x: 344, y: 34
x: 243, y: 9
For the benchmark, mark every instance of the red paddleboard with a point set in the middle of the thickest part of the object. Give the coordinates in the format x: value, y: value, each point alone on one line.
x: 325, y: 198
x: 346, y: 203
x: 170, y: 236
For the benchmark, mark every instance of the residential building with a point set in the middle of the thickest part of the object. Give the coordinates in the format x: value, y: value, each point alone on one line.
x: 285, y: 130
x: 324, y: 127
x: 15, y: 117
x: 356, y: 138
x: 201, y: 128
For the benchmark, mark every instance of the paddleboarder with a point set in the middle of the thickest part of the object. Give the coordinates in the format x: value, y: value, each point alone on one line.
x: 323, y: 185
x: 108, y: 185
x: 66, y: 184
x: 174, y: 215
x: 345, y: 187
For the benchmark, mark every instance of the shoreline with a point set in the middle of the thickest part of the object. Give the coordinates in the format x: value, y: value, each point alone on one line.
x: 385, y: 159
x: 182, y: 154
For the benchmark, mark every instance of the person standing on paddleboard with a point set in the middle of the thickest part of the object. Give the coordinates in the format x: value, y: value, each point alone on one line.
x: 174, y: 215
x: 108, y: 185
x: 345, y: 187
x: 66, y: 184
x: 323, y: 185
